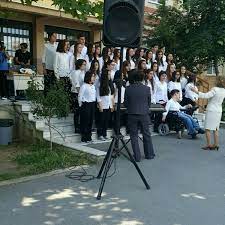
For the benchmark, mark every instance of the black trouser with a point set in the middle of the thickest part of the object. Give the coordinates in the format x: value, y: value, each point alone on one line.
x: 87, y: 111
x: 49, y: 80
x: 3, y: 83
x: 76, y: 111
x: 133, y: 122
x: 67, y: 84
x: 103, y: 122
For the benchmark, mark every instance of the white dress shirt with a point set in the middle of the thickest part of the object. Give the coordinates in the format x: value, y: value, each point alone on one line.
x: 70, y: 56
x: 49, y: 55
x: 61, y: 65
x: 87, y: 93
x: 155, y: 78
x: 106, y: 101
x: 163, y: 67
x: 173, y: 105
x: 83, y: 52
x: 183, y: 82
x: 161, y: 93
x: 72, y: 61
x: 175, y: 86
x: 77, y: 80
x: 189, y: 93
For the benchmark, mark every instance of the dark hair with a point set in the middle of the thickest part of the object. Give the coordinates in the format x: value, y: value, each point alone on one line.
x: 136, y: 75
x: 155, y: 63
x: 116, y: 54
x: 96, y: 46
x: 125, y: 64
x: 24, y: 45
x: 87, y: 77
x: 79, y: 63
x: 168, y: 72
x: 80, y: 35
x: 50, y: 35
x: 105, y: 55
x: 146, y: 75
x: 159, y: 61
x: 162, y: 73
x: 106, y: 84
x: 185, y: 75
x: 127, y: 54
x: 173, y: 92
x: 92, y: 68
x: 192, y: 78
x: 174, y: 76
x: 140, y: 64
x: 107, y: 63
x: 2, y: 46
x: 146, y: 56
x: 61, y: 46
x: 168, y: 60
x: 89, y: 51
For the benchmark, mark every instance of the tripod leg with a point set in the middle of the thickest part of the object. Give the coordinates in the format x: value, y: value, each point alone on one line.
x: 108, y: 163
x: 135, y: 164
x: 105, y: 159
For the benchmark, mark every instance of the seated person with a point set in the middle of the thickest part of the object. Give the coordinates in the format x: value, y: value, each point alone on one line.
x: 173, y: 105
x: 22, y: 56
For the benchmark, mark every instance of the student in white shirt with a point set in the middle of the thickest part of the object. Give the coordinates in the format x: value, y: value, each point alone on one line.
x: 70, y: 56
x: 155, y: 49
x: 170, y: 59
x: 87, y: 102
x: 61, y: 61
x: 97, y: 53
x: 109, y: 65
x: 106, y: 52
x: 162, y: 64
x: 163, y: 49
x: 183, y: 78
x: 175, y: 84
x: 96, y: 70
x: 48, y: 61
x: 116, y: 59
x: 77, y: 80
x: 77, y: 54
x: 170, y: 70
x: 148, y: 58
x: 139, y: 55
x: 149, y: 81
x: 190, y: 96
x: 142, y: 65
x: 155, y: 70
x: 161, y: 94
x: 105, y: 103
x: 130, y: 56
x: 81, y: 40
x: 174, y: 107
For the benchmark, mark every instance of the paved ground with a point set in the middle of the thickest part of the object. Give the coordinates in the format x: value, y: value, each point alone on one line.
x: 188, y: 188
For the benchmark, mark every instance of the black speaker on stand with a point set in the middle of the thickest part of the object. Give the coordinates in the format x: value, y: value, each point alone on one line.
x: 123, y: 22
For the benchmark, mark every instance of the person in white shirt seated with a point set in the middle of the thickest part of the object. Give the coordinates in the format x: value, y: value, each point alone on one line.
x: 149, y: 81
x: 105, y: 99
x: 190, y: 96
x: 161, y: 92
x: 87, y: 103
x: 48, y: 61
x: 81, y: 39
x: 174, y: 106
x: 175, y: 84
x: 162, y: 64
x: 77, y: 80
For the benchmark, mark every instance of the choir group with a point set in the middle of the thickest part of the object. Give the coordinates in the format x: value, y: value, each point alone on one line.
x: 91, y: 76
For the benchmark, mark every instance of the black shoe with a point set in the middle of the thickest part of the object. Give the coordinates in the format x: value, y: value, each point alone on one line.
x: 193, y: 136
x: 150, y: 157
x: 201, y: 131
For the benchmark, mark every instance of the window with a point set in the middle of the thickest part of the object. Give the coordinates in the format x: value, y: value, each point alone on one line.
x: 211, y: 69
x: 64, y: 33
x: 13, y: 33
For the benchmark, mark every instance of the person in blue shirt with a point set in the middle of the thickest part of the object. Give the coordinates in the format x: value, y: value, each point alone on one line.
x: 4, y: 69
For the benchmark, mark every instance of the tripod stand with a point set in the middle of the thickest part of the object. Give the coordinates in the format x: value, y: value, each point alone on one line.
x: 114, y: 150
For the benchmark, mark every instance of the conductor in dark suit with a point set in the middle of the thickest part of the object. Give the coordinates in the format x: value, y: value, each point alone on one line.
x: 137, y: 101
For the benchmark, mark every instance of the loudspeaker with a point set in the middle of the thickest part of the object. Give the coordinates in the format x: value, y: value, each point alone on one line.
x: 123, y: 23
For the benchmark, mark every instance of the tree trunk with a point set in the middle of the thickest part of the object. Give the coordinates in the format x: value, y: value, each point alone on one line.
x: 216, y: 67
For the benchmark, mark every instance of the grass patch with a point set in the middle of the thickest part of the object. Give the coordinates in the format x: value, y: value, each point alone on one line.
x: 37, y: 159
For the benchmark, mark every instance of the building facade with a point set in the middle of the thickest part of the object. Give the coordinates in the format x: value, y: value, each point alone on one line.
x: 31, y: 24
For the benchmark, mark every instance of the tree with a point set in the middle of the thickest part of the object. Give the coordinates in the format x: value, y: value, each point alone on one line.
x: 195, y: 33
x: 54, y: 103
x: 80, y: 9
